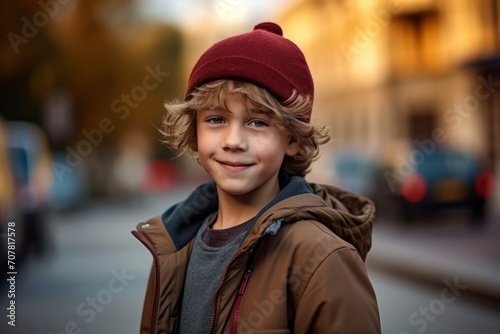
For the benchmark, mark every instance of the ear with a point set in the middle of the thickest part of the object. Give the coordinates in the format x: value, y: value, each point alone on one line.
x: 293, y: 148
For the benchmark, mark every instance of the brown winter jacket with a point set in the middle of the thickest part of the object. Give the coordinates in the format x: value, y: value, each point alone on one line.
x: 299, y: 270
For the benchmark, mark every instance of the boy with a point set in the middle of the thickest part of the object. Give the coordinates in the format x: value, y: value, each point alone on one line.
x: 257, y: 249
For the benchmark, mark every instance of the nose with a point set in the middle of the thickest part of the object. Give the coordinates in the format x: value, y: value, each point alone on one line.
x: 235, y: 138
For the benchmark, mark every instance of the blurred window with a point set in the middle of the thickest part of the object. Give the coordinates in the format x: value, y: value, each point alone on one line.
x: 421, y: 124
x: 415, y: 43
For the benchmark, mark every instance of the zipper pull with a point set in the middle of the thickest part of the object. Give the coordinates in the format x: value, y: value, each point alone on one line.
x: 243, y: 285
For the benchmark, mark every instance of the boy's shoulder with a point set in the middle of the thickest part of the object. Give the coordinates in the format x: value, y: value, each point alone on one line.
x: 311, y: 237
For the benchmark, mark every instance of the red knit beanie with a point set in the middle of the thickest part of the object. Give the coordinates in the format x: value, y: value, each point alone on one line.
x: 262, y: 57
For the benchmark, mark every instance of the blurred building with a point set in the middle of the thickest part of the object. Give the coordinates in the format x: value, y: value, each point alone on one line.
x: 392, y: 74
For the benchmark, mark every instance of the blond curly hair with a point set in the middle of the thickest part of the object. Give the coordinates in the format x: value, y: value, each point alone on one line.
x: 179, y: 123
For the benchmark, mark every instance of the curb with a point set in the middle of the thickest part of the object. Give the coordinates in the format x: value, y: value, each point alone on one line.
x: 483, y: 282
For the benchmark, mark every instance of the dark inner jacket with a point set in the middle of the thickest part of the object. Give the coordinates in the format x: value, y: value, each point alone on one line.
x: 285, y: 235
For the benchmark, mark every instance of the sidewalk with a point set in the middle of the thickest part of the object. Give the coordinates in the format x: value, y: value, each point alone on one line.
x: 431, y: 254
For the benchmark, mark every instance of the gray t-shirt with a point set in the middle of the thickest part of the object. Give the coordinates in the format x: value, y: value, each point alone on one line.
x: 211, y: 253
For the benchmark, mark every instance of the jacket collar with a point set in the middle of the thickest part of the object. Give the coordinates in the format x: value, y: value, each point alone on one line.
x: 348, y: 215
x: 183, y: 220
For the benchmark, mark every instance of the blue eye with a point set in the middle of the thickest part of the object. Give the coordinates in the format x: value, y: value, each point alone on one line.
x: 215, y: 120
x: 258, y: 123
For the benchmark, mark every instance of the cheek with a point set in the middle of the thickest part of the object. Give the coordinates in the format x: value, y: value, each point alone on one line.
x: 202, y: 146
x: 205, y: 142
x: 200, y: 135
x: 271, y: 150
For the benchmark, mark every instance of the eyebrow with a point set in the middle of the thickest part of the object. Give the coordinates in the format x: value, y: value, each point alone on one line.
x: 258, y: 112
x: 217, y: 109
x: 253, y: 111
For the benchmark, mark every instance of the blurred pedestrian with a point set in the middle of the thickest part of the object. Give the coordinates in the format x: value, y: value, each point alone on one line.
x: 257, y: 248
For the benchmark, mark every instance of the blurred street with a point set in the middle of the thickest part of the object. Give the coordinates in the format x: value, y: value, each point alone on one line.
x: 94, y: 276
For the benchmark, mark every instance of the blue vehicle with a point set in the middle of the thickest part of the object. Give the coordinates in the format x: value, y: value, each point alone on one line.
x: 68, y: 190
x: 355, y: 170
x: 446, y: 179
x: 29, y: 164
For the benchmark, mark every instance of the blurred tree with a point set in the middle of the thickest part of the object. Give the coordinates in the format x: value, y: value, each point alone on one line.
x: 26, y: 54
x: 99, y: 50
x: 111, y: 68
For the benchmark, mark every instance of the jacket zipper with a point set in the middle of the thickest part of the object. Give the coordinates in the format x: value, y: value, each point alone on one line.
x: 239, y: 299
x: 221, y: 283
x: 154, y: 302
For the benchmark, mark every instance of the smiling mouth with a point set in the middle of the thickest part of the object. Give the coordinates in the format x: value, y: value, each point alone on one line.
x: 235, y: 166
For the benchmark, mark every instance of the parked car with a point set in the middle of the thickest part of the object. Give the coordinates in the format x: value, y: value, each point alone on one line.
x: 445, y: 179
x: 355, y: 169
x: 6, y: 182
x: 6, y: 193
x: 68, y: 190
x: 30, y: 167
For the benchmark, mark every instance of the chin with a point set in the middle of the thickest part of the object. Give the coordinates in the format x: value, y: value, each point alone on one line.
x: 235, y: 190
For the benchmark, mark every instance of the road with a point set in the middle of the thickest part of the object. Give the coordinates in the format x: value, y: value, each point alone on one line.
x: 93, y: 281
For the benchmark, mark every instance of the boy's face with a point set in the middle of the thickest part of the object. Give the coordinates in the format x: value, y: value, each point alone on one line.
x: 242, y: 150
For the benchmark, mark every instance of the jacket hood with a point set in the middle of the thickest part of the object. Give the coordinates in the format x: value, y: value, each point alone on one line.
x: 348, y: 215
